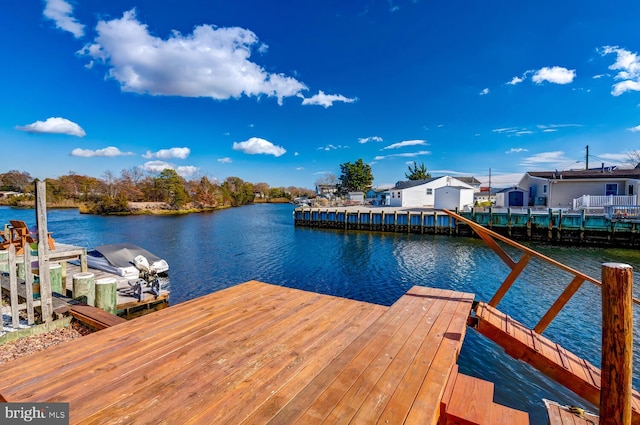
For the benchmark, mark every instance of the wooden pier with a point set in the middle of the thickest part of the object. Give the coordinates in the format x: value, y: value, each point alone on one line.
x: 549, y: 225
x: 258, y: 353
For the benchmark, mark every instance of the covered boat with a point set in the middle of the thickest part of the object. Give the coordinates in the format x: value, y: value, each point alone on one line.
x: 126, y: 260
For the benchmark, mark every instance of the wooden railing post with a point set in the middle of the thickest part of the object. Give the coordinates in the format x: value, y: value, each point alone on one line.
x: 617, y: 344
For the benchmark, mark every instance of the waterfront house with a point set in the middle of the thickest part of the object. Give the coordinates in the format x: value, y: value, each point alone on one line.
x: 582, y: 189
x: 421, y: 193
x: 327, y: 190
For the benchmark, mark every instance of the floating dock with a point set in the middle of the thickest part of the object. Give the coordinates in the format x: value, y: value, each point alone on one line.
x: 259, y: 353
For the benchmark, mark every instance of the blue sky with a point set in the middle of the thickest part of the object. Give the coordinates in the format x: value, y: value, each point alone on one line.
x: 284, y: 92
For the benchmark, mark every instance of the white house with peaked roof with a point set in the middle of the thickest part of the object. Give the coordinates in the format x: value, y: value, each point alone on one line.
x: 420, y: 193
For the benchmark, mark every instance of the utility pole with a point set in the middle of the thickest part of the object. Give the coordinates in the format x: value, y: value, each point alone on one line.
x: 587, y: 159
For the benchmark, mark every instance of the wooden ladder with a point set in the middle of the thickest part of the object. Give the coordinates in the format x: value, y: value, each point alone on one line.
x: 548, y: 357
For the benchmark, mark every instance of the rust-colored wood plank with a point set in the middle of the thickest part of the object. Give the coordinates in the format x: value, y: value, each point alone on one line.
x: 551, y: 359
x: 559, y: 304
x: 303, y: 368
x: 277, y: 351
x: 448, y: 392
x: 393, y: 389
x: 148, y: 333
x: 510, y: 279
x: 503, y: 415
x: 294, y: 397
x: 425, y: 409
x: 384, y: 342
x: 453, y: 316
x: 471, y: 401
x: 211, y: 357
x: 95, y: 317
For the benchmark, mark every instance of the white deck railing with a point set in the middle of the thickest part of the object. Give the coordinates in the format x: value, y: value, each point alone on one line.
x: 590, y: 201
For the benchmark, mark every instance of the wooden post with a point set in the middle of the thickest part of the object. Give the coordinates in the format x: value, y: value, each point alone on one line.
x: 13, y: 287
x: 84, y: 288
x: 617, y: 344
x: 43, y: 252
x: 106, y: 295
x: 4, y: 260
x: 55, y: 276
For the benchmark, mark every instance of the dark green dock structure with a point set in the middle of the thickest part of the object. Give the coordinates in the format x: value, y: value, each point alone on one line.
x: 555, y: 226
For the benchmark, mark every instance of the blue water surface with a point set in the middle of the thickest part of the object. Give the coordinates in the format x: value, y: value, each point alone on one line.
x: 211, y: 251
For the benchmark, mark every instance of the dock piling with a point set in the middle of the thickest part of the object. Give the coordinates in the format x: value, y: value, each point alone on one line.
x: 617, y: 344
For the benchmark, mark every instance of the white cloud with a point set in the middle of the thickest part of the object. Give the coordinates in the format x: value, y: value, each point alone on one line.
x: 109, y: 151
x: 186, y: 170
x: 505, y: 130
x: 180, y: 153
x: 370, y: 139
x: 555, y: 74
x: 516, y: 80
x: 225, y: 160
x: 484, y: 92
x: 211, y: 62
x: 325, y: 100
x: 406, y: 143
x: 256, y: 145
x: 517, y: 150
x: 402, y: 155
x: 61, y: 12
x: 634, y: 129
x: 554, y: 160
x: 628, y: 66
x: 156, y: 166
x: 55, y: 125
x: 331, y: 147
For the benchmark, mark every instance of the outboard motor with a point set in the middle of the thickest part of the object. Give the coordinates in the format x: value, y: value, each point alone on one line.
x: 148, y: 278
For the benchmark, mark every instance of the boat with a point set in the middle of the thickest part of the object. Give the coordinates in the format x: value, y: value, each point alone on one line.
x: 126, y: 260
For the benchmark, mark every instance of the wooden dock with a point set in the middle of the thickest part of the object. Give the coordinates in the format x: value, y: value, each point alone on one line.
x: 258, y: 353
x: 127, y: 305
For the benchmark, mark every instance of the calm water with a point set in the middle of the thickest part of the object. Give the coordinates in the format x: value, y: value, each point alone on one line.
x: 209, y: 252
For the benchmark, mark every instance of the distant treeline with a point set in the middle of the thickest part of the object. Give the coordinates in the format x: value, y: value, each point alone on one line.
x: 112, y: 194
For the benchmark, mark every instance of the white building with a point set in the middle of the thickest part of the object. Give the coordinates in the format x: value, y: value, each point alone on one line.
x: 421, y: 193
x: 452, y: 197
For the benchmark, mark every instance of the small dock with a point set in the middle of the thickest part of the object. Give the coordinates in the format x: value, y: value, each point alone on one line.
x: 259, y: 353
x: 127, y: 305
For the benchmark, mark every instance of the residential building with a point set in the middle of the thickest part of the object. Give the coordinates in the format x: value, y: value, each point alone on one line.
x: 559, y: 189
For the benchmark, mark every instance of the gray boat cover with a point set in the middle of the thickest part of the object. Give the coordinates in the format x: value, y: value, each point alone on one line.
x: 122, y: 254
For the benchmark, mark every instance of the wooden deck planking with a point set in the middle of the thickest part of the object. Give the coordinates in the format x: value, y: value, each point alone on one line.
x: 147, y: 335
x: 202, y: 343
x: 266, y: 346
x: 328, y: 388
x: 254, y: 353
x: 573, y: 372
x: 561, y: 415
x: 388, y: 369
x: 424, y: 410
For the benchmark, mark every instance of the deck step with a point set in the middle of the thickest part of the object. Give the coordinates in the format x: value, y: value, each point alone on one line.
x: 94, y: 317
x: 469, y: 401
x: 503, y: 415
x: 553, y: 360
